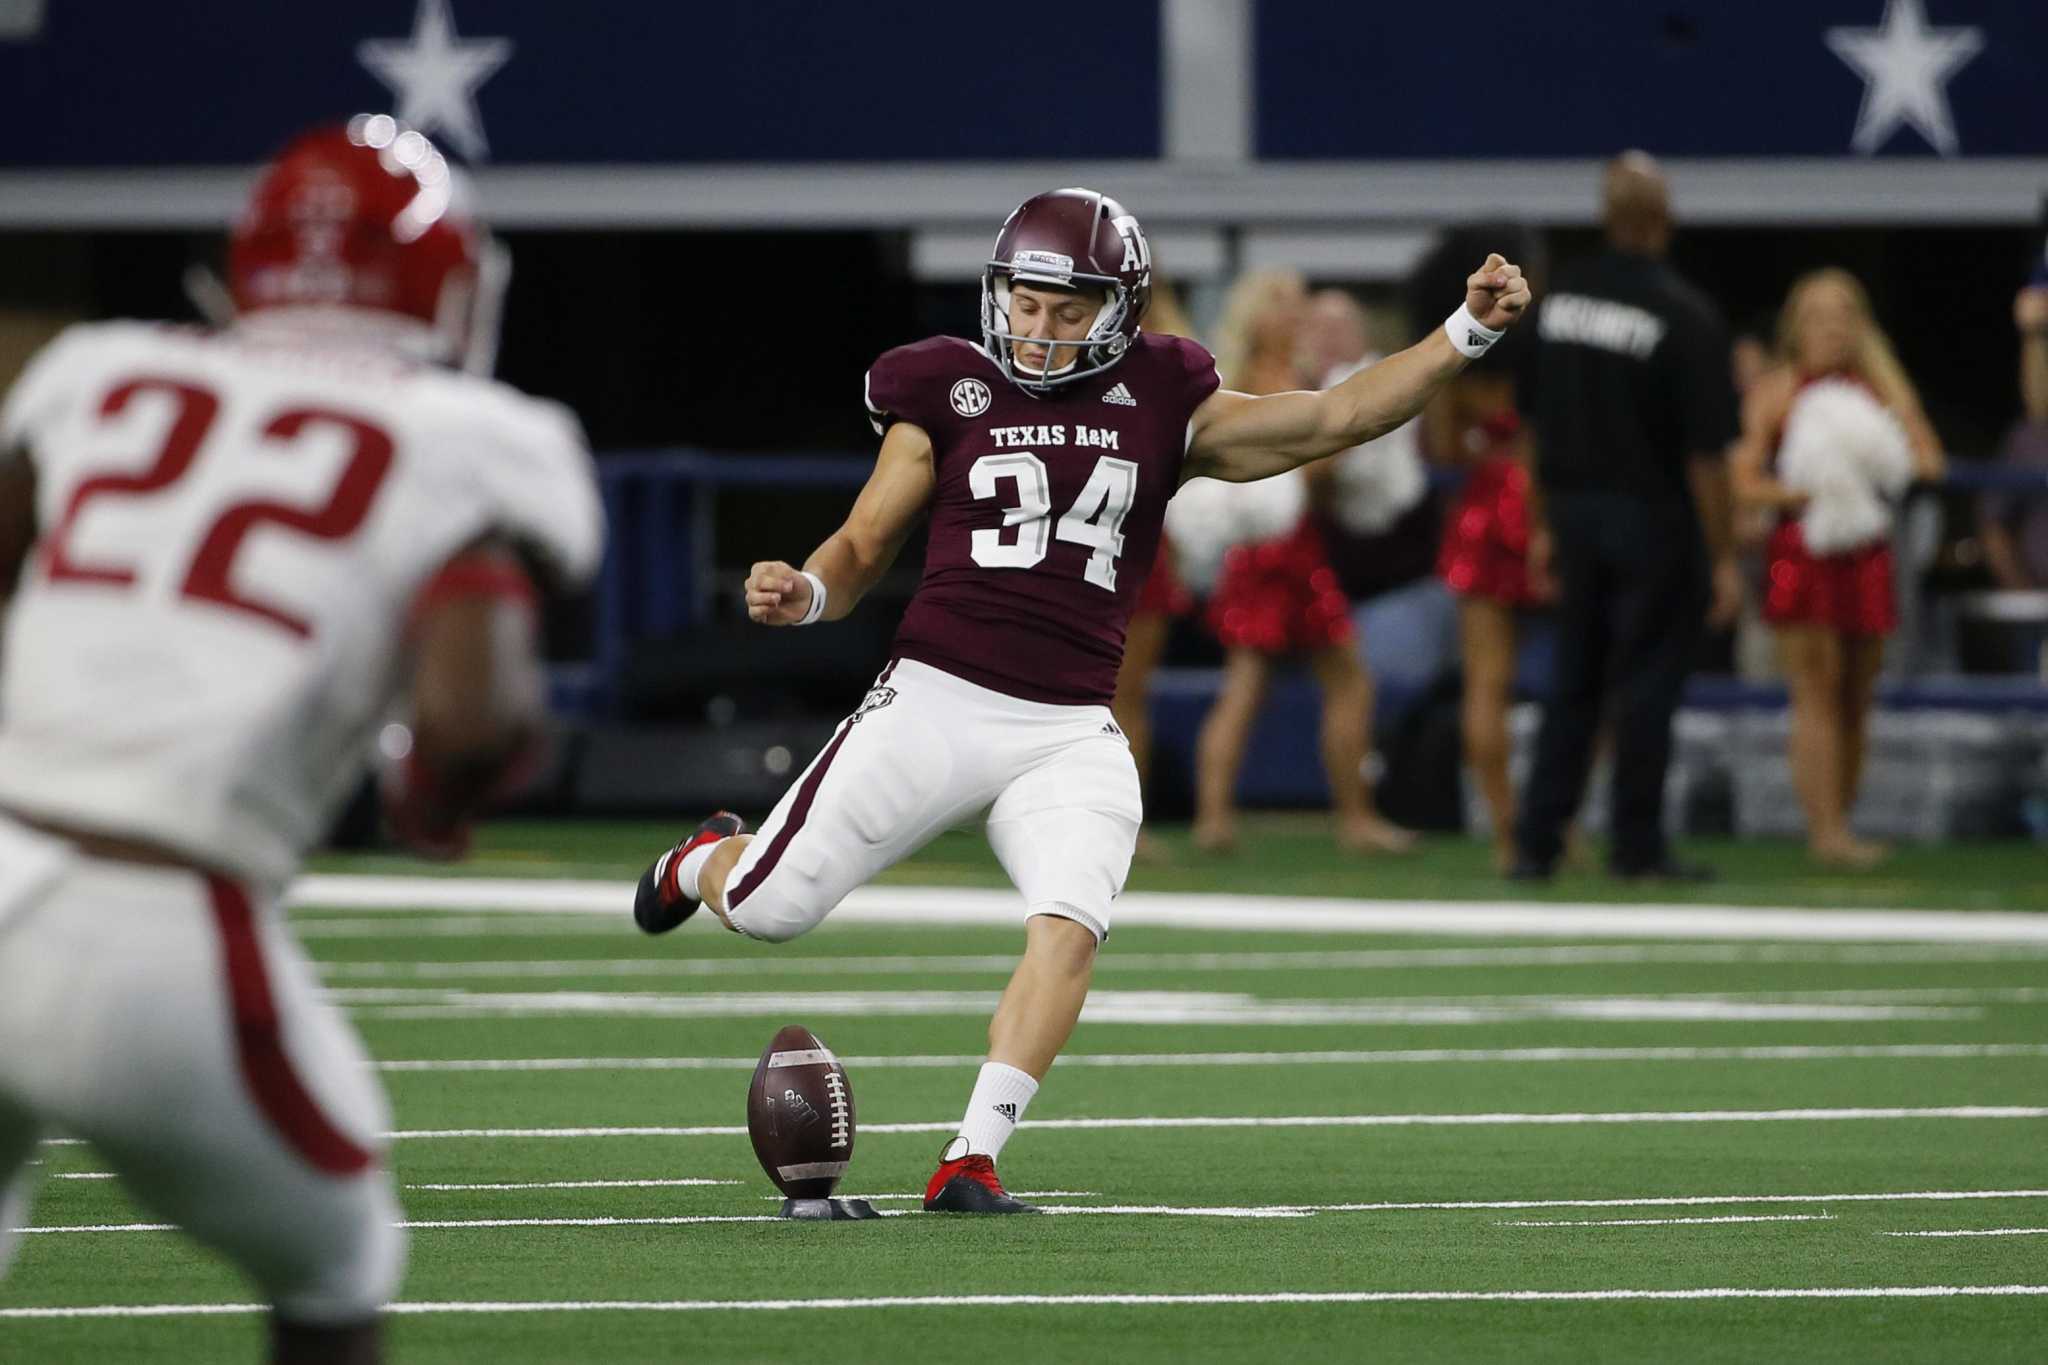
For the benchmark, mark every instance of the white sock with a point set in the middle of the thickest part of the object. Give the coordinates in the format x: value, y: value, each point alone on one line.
x: 693, y: 868
x: 1001, y: 1094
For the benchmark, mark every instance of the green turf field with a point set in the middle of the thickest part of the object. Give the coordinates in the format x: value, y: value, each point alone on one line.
x: 1500, y: 1147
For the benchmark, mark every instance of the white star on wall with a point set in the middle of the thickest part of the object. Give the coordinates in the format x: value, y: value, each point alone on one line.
x: 1906, y: 67
x: 435, y: 76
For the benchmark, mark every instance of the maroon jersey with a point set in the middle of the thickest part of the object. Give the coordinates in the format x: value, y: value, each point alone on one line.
x: 1046, y: 518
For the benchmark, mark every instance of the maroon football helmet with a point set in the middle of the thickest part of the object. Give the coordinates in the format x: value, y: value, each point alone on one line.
x: 364, y: 230
x: 1061, y: 240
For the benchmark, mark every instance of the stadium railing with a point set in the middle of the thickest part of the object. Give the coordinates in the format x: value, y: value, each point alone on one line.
x: 661, y: 573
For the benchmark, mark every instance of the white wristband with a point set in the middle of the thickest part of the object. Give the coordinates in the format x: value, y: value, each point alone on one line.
x: 817, y: 607
x: 1465, y: 332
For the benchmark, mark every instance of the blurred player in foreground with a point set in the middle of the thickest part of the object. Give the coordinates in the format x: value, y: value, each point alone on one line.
x: 1045, y: 458
x: 227, y: 553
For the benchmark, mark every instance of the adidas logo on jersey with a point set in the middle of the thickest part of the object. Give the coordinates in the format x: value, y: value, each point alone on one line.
x: 1008, y: 1111
x: 1121, y: 396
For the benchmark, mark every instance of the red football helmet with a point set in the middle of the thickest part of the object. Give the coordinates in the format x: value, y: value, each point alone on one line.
x: 1063, y: 239
x: 365, y: 229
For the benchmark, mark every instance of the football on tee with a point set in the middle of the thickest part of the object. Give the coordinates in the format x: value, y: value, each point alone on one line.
x: 800, y: 1115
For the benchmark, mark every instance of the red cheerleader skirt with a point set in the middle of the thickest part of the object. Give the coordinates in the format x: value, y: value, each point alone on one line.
x: 1850, y: 592
x: 1164, y: 594
x: 1280, y: 596
x: 1485, y: 550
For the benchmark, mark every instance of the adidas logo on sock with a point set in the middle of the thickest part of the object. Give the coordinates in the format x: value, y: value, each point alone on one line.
x: 1008, y: 1111
x: 1121, y: 396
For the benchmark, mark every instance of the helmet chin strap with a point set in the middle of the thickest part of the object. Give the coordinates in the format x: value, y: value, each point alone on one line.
x: 1074, y: 346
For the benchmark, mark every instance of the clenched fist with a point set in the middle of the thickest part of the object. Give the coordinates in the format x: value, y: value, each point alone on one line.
x: 777, y: 595
x: 1496, y: 294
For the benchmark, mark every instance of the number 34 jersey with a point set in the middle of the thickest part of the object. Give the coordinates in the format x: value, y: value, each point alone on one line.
x: 231, y: 533
x: 1047, y: 512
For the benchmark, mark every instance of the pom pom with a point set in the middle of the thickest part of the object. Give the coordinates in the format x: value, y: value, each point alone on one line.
x: 1208, y: 518
x: 1849, y: 453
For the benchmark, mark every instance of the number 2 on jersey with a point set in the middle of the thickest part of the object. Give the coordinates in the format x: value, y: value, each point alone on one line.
x: 1095, y: 520
x: 208, y: 579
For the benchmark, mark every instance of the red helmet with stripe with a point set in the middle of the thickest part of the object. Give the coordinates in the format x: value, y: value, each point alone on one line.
x: 367, y: 225
x: 1067, y: 239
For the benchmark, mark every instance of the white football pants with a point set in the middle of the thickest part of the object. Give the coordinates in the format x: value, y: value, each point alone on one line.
x: 927, y: 751
x: 171, y: 1022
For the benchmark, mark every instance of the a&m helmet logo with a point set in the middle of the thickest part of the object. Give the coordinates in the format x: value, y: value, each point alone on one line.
x: 970, y: 398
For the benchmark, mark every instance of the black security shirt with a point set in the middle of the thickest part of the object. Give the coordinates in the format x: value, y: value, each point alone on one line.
x: 1629, y: 379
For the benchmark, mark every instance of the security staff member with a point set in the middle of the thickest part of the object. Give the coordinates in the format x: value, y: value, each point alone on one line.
x: 1633, y: 407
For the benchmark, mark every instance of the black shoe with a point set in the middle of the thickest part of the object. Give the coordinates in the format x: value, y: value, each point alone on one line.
x: 970, y: 1185
x: 1527, y: 869
x: 661, y: 903
x: 1666, y: 869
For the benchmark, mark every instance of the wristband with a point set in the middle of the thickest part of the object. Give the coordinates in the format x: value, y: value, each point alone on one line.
x: 1470, y: 338
x: 817, y: 607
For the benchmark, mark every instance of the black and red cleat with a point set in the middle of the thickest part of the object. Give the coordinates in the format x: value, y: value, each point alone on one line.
x: 970, y: 1185
x: 663, y: 902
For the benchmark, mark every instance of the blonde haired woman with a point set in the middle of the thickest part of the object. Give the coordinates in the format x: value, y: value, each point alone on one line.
x: 1815, y: 449
x: 1278, y: 598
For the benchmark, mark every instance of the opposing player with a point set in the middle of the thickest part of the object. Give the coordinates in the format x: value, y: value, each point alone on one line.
x: 1045, y: 458
x: 227, y: 554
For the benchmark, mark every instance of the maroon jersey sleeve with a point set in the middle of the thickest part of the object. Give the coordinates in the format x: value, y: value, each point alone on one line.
x: 911, y: 384
x: 1199, y: 369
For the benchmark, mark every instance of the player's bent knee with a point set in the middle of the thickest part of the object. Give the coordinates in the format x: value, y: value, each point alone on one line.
x: 353, y: 1285
x: 1066, y: 929
x: 775, y: 917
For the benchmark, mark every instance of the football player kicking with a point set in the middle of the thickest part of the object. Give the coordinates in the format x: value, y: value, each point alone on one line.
x: 1045, y: 458
x: 226, y: 553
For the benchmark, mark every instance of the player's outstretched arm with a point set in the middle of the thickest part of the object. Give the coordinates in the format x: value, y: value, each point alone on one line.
x: 1238, y: 437
x: 17, y: 517
x: 862, y: 549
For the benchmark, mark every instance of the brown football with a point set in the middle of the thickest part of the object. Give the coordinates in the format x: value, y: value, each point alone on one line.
x: 800, y: 1115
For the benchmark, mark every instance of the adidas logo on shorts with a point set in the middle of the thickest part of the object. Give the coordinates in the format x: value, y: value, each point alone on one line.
x: 1120, y: 394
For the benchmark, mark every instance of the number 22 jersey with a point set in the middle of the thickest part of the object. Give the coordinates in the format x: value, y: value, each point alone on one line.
x: 232, y: 530
x: 1046, y: 516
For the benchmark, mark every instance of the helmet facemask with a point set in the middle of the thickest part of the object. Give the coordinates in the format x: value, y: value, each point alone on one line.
x: 1102, y: 347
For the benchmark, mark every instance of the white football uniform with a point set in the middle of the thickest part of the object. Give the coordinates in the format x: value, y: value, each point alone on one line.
x: 927, y: 751
x: 231, y: 533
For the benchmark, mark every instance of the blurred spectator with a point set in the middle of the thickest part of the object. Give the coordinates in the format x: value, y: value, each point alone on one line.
x: 1633, y: 406
x: 2015, y: 526
x: 1280, y: 597
x: 1164, y: 598
x: 1749, y: 359
x: 1808, y: 452
x: 1378, y: 518
x: 1492, y: 557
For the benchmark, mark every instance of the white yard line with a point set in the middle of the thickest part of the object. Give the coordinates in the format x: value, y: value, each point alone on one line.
x: 1018, y: 1194
x: 1178, y: 1211
x: 581, y: 1184
x: 1001, y: 964
x: 1394, y: 1056
x: 1667, y: 1222
x: 921, y: 905
x: 1678, y: 1201
x: 1975, y: 1232
x: 1897, y: 1291
x: 1305, y: 1121
x: 474, y: 927
x: 1137, y: 1007
x: 86, y: 1175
